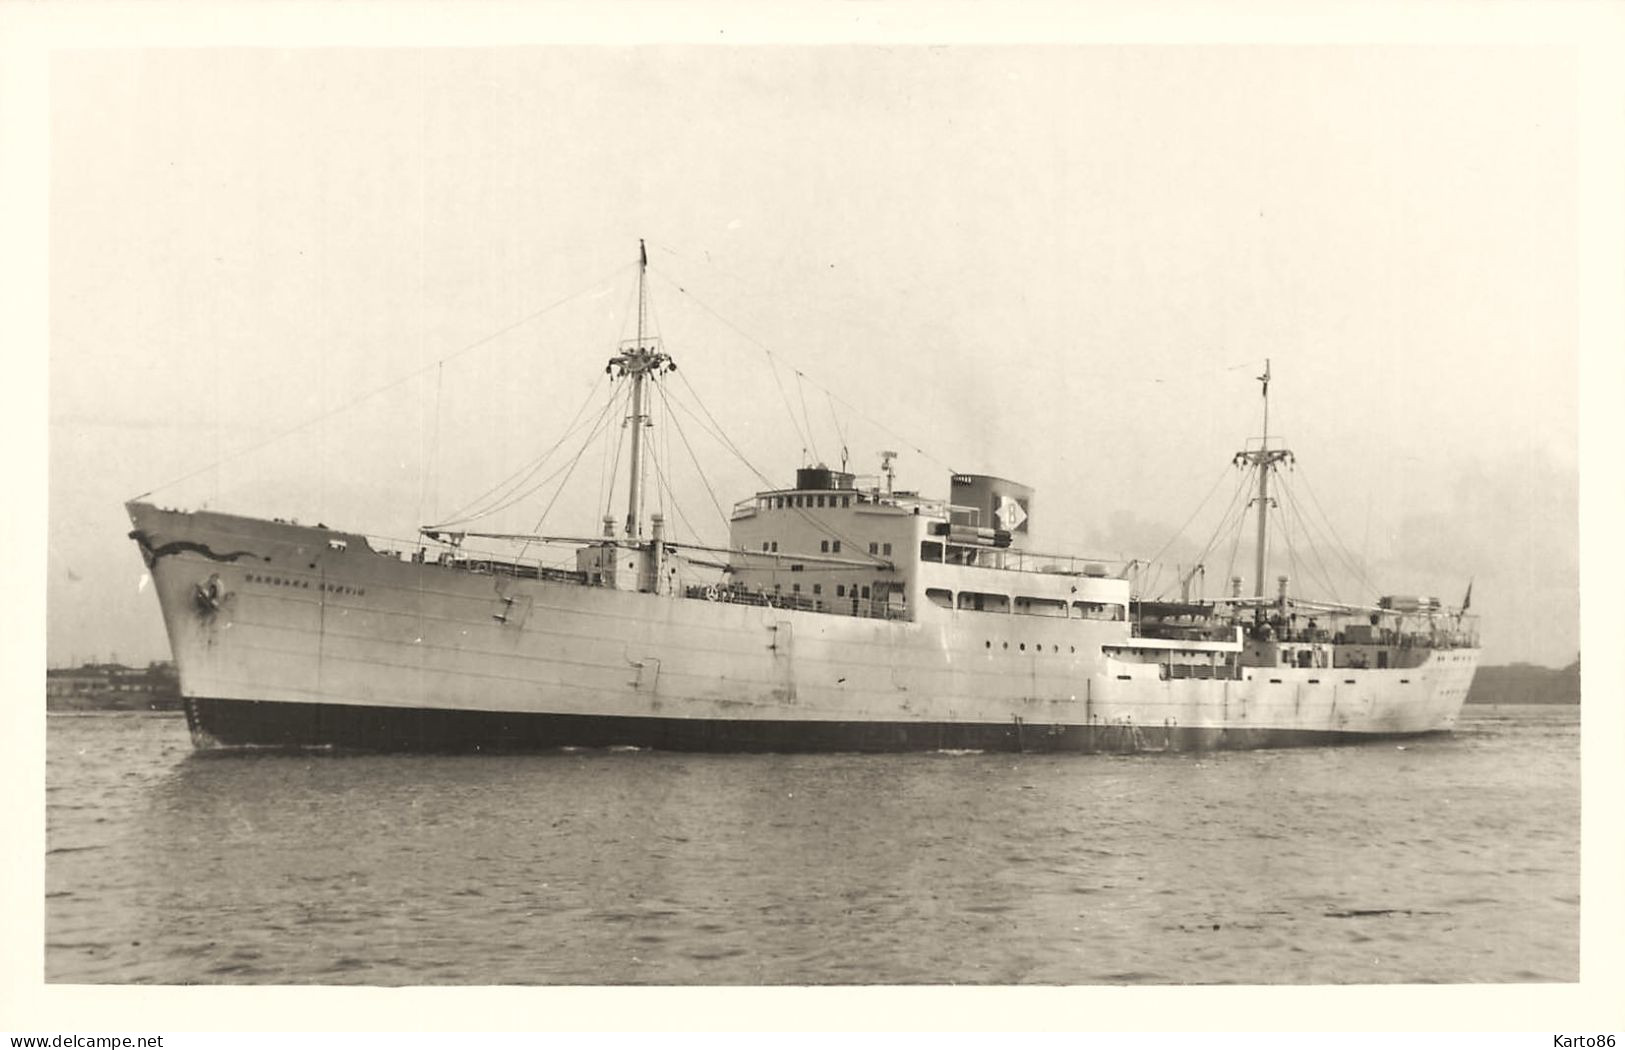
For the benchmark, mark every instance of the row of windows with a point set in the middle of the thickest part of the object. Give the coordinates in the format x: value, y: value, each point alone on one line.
x: 829, y: 547
x: 818, y: 589
x: 978, y: 601
x: 781, y: 502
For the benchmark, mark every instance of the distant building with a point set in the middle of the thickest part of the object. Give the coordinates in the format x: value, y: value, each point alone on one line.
x: 113, y: 685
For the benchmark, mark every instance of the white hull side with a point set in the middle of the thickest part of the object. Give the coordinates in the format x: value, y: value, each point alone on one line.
x: 303, y: 622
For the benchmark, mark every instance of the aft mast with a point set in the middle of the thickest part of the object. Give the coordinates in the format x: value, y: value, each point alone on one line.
x: 1264, y: 458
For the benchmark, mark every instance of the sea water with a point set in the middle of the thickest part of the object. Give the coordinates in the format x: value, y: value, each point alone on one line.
x: 1442, y: 859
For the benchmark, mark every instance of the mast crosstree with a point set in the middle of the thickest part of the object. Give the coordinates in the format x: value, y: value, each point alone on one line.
x: 1265, y: 459
x: 643, y: 358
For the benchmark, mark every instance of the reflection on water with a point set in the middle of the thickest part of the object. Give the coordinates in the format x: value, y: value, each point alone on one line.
x: 1442, y: 859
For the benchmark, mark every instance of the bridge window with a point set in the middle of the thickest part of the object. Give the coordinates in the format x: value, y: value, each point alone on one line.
x: 979, y: 602
x: 1040, y: 606
x: 930, y: 550
x: 775, y: 546
x: 940, y: 596
x: 818, y: 588
x: 840, y: 590
x: 1097, y: 611
x: 835, y: 546
x: 885, y: 548
x: 874, y: 548
x: 823, y: 546
x: 846, y: 501
x: 820, y: 501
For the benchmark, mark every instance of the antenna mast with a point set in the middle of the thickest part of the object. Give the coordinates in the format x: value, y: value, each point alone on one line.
x: 1265, y: 459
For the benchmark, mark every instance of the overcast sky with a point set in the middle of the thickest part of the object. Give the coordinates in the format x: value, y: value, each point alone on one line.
x: 1062, y: 265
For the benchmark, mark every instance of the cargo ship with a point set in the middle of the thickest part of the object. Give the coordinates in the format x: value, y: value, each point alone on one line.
x: 843, y: 614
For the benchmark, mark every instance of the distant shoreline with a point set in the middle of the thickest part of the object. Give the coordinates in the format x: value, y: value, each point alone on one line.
x: 1526, y: 684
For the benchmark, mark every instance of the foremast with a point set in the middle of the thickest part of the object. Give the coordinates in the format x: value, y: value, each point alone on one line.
x: 1265, y: 460
x: 642, y: 359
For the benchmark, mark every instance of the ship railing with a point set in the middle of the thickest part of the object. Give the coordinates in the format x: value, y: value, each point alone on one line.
x: 1015, y: 559
x: 483, y: 562
x: 1380, y: 638
x: 1223, y: 670
x: 862, y: 608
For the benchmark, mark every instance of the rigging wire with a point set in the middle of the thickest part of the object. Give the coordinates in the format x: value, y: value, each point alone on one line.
x: 1333, y: 543
x: 615, y: 464
x: 324, y: 416
x: 772, y: 367
x: 1235, y: 543
x: 528, y: 470
x: 694, y: 459
x: 1181, y: 530
x: 1146, y: 585
x: 728, y: 443
x: 1340, y: 548
x: 1235, y: 529
x: 801, y: 392
x: 1314, y: 545
x: 516, y: 497
x: 1286, y: 534
x: 574, y: 460
x: 434, y: 445
x: 429, y: 478
x: 657, y: 450
x: 1136, y: 375
x: 603, y: 470
x: 839, y: 432
x: 663, y: 483
x: 1231, y: 511
x: 906, y: 442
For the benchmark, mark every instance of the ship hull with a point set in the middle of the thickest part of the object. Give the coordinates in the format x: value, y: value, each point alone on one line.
x: 268, y: 724
x: 291, y: 636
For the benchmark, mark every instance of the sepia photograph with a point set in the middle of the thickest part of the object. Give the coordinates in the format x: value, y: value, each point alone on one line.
x: 811, y: 514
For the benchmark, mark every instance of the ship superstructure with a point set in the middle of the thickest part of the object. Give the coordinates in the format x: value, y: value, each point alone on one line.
x: 842, y: 614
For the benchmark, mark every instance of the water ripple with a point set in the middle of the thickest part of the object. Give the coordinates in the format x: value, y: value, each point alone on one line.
x: 1319, y: 865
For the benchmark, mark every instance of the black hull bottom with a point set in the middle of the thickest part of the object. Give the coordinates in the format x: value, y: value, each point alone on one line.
x: 259, y: 723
